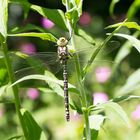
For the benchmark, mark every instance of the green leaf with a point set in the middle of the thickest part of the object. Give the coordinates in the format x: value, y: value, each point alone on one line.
x: 133, y: 9
x: 130, y: 25
x: 74, y: 11
x: 96, y: 52
x: 28, y: 27
x: 7, y: 101
x: 96, y: 121
x: 51, y: 80
x: 94, y: 134
x: 55, y: 15
x: 134, y: 41
x: 52, y: 83
x: 3, y: 89
x: 132, y: 83
x: 43, y: 36
x: 3, y: 74
x: 125, y: 98
x: 64, y: 2
x: 85, y: 36
x: 116, y: 109
x: 16, y: 137
x: 112, y: 6
x: 33, y: 129
x: 124, y: 51
x: 54, y: 86
x: 3, y: 17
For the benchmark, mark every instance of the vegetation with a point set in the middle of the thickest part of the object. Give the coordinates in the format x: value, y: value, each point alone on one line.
x: 104, y: 74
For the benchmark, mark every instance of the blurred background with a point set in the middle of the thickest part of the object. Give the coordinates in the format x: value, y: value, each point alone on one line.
x: 102, y: 82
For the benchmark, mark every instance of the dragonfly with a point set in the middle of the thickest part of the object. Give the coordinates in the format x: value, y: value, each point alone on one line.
x: 63, y: 55
x: 53, y: 59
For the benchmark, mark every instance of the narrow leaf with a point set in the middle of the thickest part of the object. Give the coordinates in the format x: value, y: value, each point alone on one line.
x: 130, y: 25
x: 133, y: 9
x: 33, y: 129
x: 124, y: 51
x: 94, y: 134
x: 116, y: 109
x: 96, y: 52
x: 125, y: 98
x: 28, y: 27
x: 85, y: 36
x: 3, y: 17
x: 112, y: 6
x: 96, y: 121
x: 43, y: 36
x: 134, y: 42
x: 16, y: 137
x: 132, y: 83
x: 51, y: 80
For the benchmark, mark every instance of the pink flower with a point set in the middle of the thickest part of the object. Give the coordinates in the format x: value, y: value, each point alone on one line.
x: 28, y: 48
x: 33, y: 93
x: 85, y: 19
x: 46, y: 23
x: 136, y: 114
x: 102, y: 74
x: 100, y: 97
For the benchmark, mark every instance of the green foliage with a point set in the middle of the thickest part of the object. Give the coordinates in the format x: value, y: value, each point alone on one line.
x: 74, y: 11
x: 132, y: 83
x: 134, y: 42
x: 96, y: 121
x: 129, y: 25
x: 116, y: 109
x: 57, y: 16
x: 112, y: 6
x: 33, y: 129
x: 124, y: 51
x: 3, y: 17
x: 95, y: 53
x: 133, y: 9
x: 80, y: 32
x: 15, y: 137
x: 125, y: 98
x: 51, y: 80
x: 28, y: 27
x: 80, y: 100
x: 43, y: 36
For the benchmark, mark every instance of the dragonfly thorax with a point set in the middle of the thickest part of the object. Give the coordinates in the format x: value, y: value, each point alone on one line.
x: 62, y: 53
x: 62, y: 42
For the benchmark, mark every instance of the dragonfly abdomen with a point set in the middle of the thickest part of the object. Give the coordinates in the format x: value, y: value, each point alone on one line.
x: 66, y: 97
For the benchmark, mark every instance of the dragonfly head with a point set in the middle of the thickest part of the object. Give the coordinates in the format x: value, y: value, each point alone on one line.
x: 62, y: 41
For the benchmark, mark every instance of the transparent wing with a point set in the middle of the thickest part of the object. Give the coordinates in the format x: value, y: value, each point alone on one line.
x: 36, y: 63
x: 25, y: 64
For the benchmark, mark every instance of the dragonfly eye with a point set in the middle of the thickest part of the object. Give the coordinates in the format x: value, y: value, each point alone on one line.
x: 62, y: 41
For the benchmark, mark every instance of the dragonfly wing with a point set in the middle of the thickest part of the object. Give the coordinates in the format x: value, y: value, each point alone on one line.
x: 35, y: 64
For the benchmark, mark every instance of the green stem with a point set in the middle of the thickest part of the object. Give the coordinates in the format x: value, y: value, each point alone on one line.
x: 80, y: 81
x: 14, y: 88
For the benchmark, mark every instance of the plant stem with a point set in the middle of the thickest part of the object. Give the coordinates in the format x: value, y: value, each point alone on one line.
x: 80, y: 81
x: 14, y: 88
